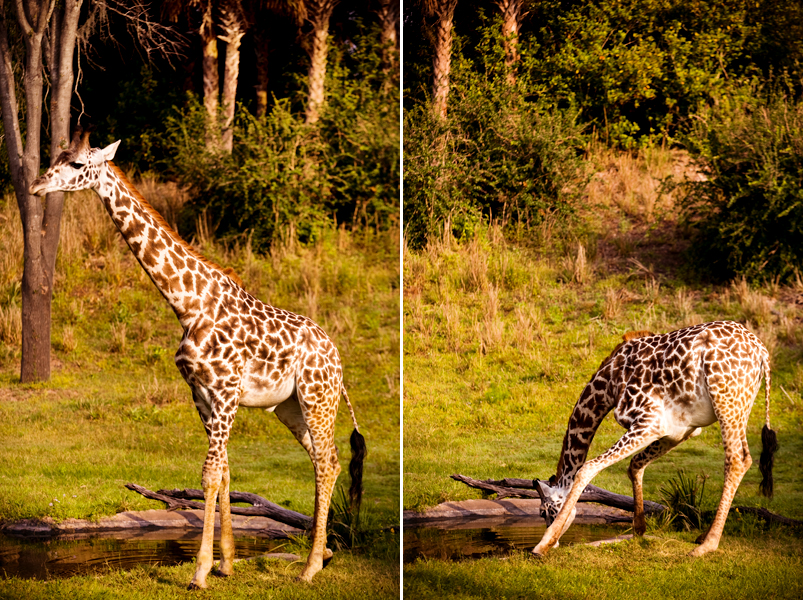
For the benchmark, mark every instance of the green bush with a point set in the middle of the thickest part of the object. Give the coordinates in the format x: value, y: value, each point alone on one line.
x: 495, y: 156
x: 747, y: 215
x: 286, y: 179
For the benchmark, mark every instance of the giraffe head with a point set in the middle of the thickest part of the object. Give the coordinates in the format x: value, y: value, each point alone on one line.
x: 77, y: 168
x: 553, y: 498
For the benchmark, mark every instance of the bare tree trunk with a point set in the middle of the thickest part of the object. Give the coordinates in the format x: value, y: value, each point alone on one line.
x: 210, y: 75
x: 319, y: 11
x: 511, y: 18
x: 388, y: 13
x: 233, y: 25
x: 442, y: 56
x: 262, y: 49
x: 63, y: 33
x: 37, y: 278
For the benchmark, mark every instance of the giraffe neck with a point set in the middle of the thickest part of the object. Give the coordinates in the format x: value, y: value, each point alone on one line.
x: 182, y: 276
x: 596, y: 401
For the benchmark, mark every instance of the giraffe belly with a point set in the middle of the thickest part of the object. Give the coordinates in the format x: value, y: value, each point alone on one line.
x: 261, y: 393
x: 696, y: 412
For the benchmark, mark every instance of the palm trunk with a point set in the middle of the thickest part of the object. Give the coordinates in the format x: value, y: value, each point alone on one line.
x: 319, y: 13
x: 317, y: 72
x: 511, y: 16
x: 234, y: 29
x: 442, y: 57
x: 388, y: 13
x: 261, y: 43
x: 210, y: 76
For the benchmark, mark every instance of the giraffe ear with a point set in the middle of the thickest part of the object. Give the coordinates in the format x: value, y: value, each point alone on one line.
x: 539, y: 487
x: 108, y: 151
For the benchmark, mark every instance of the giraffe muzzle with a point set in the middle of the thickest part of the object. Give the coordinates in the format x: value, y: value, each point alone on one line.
x: 39, y: 187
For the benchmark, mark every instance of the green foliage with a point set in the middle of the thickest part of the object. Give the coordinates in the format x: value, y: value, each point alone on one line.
x: 636, y: 68
x: 683, y: 496
x: 496, y: 155
x: 748, y: 212
x: 288, y: 180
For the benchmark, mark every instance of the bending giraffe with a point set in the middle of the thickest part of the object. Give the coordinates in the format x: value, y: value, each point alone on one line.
x: 663, y: 389
x: 236, y: 351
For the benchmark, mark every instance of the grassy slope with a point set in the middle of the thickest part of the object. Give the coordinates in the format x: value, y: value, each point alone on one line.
x: 500, y: 340
x: 116, y: 409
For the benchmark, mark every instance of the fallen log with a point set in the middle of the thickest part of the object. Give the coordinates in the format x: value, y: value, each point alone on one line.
x: 511, y: 487
x: 182, y: 499
x: 524, y: 488
x: 767, y: 515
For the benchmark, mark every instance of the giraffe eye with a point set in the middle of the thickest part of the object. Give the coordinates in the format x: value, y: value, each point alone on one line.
x: 76, y: 165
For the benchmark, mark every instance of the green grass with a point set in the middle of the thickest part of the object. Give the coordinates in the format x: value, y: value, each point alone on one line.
x: 500, y: 340
x: 116, y: 410
x: 761, y: 567
x: 348, y: 576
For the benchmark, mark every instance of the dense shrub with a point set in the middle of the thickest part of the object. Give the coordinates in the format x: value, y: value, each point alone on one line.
x: 748, y: 214
x: 286, y: 179
x: 495, y: 156
x: 634, y: 69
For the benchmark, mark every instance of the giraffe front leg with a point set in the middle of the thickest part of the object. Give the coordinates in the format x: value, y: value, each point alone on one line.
x: 635, y: 439
x: 212, y: 475
x: 226, y: 567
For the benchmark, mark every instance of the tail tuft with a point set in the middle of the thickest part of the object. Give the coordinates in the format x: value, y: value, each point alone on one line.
x: 358, y: 454
x: 769, y: 445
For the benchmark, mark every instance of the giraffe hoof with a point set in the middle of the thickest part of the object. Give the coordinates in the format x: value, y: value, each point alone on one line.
x: 219, y: 573
x: 195, y: 586
x: 700, y: 550
x: 327, y: 557
x: 537, y: 555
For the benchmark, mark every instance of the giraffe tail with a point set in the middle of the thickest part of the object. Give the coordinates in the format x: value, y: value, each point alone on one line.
x: 769, y: 441
x: 358, y: 453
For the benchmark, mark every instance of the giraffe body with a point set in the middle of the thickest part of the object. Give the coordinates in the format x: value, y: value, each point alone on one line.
x: 235, y: 351
x: 663, y: 389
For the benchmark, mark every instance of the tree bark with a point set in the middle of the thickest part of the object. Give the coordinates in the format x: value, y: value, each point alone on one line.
x: 37, y: 278
x: 319, y: 11
x: 388, y: 13
x: 442, y: 56
x: 511, y: 18
x: 262, y: 48
x: 233, y: 25
x: 210, y: 75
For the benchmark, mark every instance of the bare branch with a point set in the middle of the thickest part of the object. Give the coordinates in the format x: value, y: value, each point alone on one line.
x: 152, y: 37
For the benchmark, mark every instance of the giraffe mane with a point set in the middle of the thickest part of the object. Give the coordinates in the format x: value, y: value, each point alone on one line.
x: 632, y: 335
x: 228, y: 271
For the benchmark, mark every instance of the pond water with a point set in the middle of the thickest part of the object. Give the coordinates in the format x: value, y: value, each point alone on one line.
x: 453, y: 541
x: 52, y: 558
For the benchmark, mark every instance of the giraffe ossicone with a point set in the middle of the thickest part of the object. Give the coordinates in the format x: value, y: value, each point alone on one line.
x: 664, y: 389
x: 235, y: 351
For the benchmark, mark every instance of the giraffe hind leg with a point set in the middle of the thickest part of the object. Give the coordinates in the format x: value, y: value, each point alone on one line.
x: 737, y: 462
x: 323, y: 454
x: 635, y: 472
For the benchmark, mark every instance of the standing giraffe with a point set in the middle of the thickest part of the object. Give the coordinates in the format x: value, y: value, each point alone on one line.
x: 663, y: 389
x: 236, y: 351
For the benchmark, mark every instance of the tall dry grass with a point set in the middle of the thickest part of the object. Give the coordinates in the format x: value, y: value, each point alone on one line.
x: 640, y: 184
